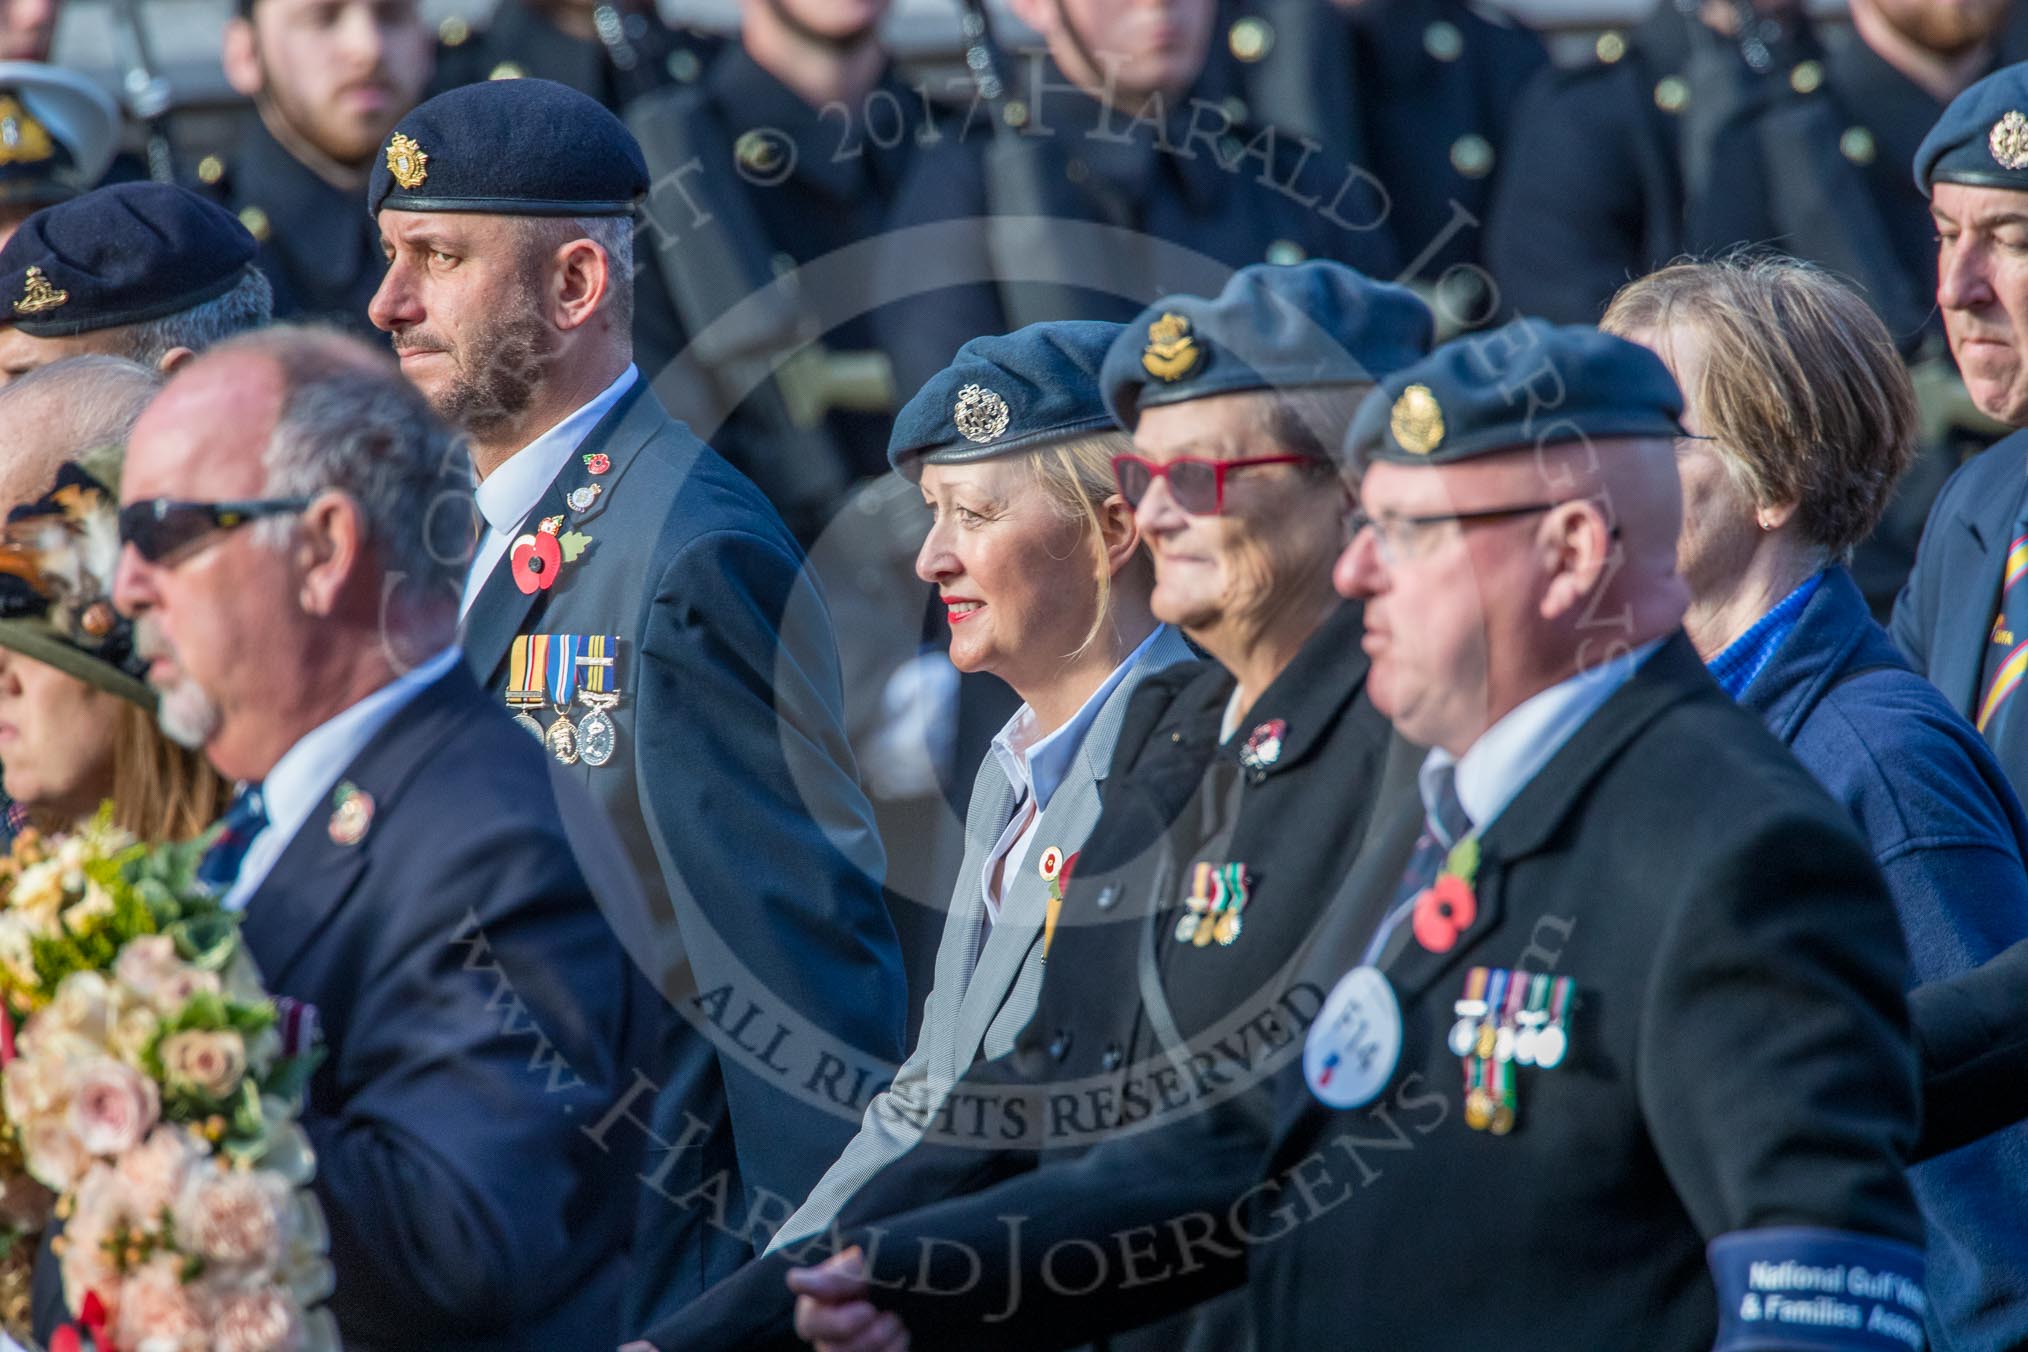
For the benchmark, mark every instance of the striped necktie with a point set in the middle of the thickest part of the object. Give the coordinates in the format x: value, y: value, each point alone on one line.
x: 245, y: 818
x: 2007, y: 649
x: 1450, y: 823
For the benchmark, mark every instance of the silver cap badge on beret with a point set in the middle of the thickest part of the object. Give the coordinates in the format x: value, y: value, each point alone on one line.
x: 2009, y: 140
x: 980, y: 414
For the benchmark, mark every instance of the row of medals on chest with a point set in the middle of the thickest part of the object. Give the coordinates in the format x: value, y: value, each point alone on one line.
x: 592, y: 739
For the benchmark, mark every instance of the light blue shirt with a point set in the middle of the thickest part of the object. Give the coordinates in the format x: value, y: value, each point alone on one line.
x: 1037, y: 768
x: 510, y: 493
x: 1511, y: 752
x: 308, y: 771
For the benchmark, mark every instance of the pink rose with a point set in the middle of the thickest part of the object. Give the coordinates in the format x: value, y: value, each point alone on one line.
x: 209, y: 1062
x: 157, y: 1312
x: 257, y: 1319
x: 149, y: 966
x: 239, y: 1219
x: 53, y: 1154
x: 98, y: 1206
x: 153, y: 1172
x: 112, y: 1106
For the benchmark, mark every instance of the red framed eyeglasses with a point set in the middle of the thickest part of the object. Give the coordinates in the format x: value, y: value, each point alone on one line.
x: 1197, y: 484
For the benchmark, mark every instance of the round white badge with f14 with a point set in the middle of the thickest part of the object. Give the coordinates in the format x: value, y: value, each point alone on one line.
x: 1354, y: 1045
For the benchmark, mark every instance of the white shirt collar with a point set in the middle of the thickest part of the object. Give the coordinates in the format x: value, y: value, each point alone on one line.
x: 1038, y: 767
x: 305, y: 774
x: 510, y: 492
x: 1510, y: 753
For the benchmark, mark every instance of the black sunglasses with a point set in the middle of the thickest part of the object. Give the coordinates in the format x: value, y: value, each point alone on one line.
x: 160, y: 527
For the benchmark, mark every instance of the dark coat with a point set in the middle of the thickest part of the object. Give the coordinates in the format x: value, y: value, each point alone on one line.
x: 1944, y: 618
x: 1739, y: 971
x: 477, y: 1011
x: 1948, y: 836
x: 1973, y: 1032
x: 1091, y: 1061
x: 740, y: 809
x: 320, y: 250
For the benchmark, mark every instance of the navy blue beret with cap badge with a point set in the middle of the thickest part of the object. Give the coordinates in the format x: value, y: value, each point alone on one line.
x: 1273, y: 327
x: 56, y: 577
x: 1005, y: 393
x: 122, y: 254
x: 510, y: 148
x: 1523, y: 385
x: 1982, y: 138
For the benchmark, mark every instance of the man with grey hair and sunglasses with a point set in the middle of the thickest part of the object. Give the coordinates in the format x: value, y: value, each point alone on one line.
x: 408, y: 864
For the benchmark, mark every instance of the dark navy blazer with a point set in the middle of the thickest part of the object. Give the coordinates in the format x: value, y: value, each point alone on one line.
x: 1950, y: 839
x: 1944, y: 617
x: 477, y: 1011
x: 738, y: 802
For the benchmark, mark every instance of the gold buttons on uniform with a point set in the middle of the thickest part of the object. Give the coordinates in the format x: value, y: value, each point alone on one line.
x: 1015, y: 113
x: 757, y: 152
x: 1443, y: 41
x: 684, y: 66
x: 1807, y: 77
x: 453, y: 32
x: 1472, y: 155
x: 1672, y: 93
x: 506, y: 70
x: 256, y: 222
x: 1857, y: 145
x: 1251, y: 39
x: 1611, y: 46
x: 1235, y: 108
x: 1285, y: 253
x: 210, y: 169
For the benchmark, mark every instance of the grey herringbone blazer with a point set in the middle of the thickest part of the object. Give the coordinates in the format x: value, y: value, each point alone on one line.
x: 987, y: 980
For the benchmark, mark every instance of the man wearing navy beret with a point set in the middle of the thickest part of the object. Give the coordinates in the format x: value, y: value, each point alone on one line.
x: 147, y: 271
x: 641, y: 609
x: 1962, y: 620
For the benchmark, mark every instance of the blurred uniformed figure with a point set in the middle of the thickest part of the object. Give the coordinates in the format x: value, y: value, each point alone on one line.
x: 58, y: 132
x: 147, y: 271
x: 328, y: 80
x: 789, y: 150
x: 1733, y: 125
x: 1420, y: 91
x: 613, y: 50
x: 1108, y: 169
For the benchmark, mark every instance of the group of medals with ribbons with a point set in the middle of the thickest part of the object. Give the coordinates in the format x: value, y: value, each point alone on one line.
x: 1507, y: 1019
x: 559, y: 671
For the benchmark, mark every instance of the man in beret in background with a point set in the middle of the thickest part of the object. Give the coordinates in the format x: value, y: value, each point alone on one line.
x: 146, y: 271
x: 1963, y: 617
x: 328, y: 82
x: 644, y: 610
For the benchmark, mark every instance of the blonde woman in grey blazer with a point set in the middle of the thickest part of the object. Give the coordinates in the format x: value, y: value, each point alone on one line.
x: 1036, y: 557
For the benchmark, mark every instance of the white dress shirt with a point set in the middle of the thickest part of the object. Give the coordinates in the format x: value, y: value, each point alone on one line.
x: 510, y: 493
x: 1510, y: 753
x: 309, y: 770
x: 1036, y: 767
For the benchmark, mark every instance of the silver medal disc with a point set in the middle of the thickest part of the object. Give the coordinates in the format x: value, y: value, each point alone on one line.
x: 1503, y: 1043
x: 562, y: 740
x: 1464, y: 1034
x: 596, y: 737
x: 529, y: 721
x: 1550, y: 1045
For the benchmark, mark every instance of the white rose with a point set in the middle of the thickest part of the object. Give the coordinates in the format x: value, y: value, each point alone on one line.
x: 112, y: 1106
